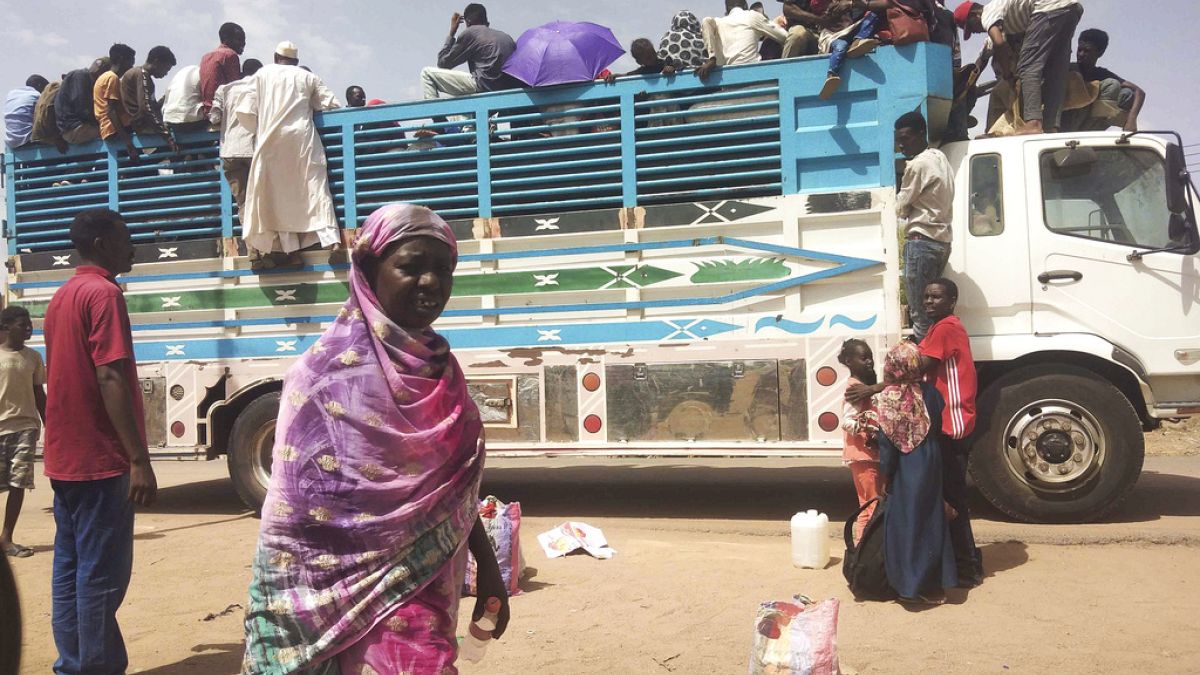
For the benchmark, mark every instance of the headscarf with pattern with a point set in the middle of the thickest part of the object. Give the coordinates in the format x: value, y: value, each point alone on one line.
x: 375, y: 477
x: 683, y: 45
x: 902, y: 412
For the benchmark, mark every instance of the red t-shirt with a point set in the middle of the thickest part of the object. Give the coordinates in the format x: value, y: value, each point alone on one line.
x: 220, y: 66
x: 87, y: 325
x: 954, y: 377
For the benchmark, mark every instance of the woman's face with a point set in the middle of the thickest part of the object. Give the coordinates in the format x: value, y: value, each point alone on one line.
x: 413, y: 280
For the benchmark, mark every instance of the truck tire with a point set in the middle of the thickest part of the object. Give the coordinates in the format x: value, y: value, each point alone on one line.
x: 251, y: 443
x: 1056, y: 444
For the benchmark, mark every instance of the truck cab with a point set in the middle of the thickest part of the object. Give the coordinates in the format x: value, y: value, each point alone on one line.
x: 1079, y: 284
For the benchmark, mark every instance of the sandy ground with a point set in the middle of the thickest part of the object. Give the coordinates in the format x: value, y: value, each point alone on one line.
x: 700, y: 544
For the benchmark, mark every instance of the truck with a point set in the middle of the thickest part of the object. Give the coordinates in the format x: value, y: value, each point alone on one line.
x: 664, y: 267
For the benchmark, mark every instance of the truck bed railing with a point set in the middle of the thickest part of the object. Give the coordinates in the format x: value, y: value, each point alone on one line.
x: 749, y: 131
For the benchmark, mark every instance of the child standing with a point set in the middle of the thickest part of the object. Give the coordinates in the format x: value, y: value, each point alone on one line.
x: 860, y: 424
x: 22, y: 407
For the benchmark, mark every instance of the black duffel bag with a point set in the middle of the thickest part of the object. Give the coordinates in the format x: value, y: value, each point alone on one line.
x: 863, y: 565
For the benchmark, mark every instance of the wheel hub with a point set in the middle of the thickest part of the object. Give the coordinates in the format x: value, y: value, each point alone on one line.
x: 1054, y: 444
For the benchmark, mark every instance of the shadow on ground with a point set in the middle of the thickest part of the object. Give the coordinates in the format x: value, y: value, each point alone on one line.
x: 672, y: 490
x: 217, y: 659
x: 216, y: 497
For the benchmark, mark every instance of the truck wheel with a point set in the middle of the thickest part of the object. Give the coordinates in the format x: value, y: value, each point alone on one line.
x: 251, y: 443
x: 1058, y: 445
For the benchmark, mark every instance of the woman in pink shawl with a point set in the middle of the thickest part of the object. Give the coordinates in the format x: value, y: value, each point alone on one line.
x: 374, y: 491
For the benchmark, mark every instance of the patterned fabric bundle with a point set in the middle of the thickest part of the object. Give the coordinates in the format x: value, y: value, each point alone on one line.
x: 902, y: 413
x: 375, y: 478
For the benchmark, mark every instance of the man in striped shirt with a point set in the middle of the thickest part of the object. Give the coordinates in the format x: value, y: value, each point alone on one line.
x: 1031, y: 42
x: 946, y: 360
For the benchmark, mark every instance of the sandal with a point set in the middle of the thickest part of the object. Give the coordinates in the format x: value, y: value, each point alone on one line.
x: 18, y: 551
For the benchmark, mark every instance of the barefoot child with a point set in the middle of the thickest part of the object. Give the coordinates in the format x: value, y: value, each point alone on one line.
x: 22, y: 407
x: 860, y: 424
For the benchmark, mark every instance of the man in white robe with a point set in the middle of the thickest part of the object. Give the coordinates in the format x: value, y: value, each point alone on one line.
x: 288, y: 203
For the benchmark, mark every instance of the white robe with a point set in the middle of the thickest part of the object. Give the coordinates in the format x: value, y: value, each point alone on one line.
x: 288, y: 203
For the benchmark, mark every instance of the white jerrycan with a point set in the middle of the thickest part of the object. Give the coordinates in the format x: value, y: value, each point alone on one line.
x: 810, y: 539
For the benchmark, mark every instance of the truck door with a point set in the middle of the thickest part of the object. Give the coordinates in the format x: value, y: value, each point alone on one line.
x: 1089, y: 208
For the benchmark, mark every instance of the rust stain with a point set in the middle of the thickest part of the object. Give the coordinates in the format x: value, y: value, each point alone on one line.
x: 488, y: 364
x: 534, y: 356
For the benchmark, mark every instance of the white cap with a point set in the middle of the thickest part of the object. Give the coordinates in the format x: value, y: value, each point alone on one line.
x: 287, y: 50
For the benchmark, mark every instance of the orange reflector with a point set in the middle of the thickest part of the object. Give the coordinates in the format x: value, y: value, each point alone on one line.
x: 178, y: 429
x: 828, y: 421
x: 592, y: 424
x: 826, y: 376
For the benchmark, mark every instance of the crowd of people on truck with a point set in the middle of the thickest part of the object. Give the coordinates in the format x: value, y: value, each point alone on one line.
x: 375, y: 407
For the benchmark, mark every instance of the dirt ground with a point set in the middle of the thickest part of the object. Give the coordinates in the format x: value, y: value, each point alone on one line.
x: 700, y: 544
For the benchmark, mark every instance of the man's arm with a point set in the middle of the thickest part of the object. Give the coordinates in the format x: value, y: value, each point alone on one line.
x: 912, y: 184
x: 767, y: 28
x: 39, y: 399
x: 1139, y: 99
x: 457, y: 50
x: 149, y: 108
x: 324, y: 98
x: 1002, y: 54
x: 114, y: 115
x: 797, y: 15
x: 217, y: 112
x: 116, y: 392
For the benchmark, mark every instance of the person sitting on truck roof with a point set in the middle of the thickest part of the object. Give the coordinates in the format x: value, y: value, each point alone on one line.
x: 1031, y: 42
x: 18, y: 111
x: 768, y: 50
x: 110, y: 111
x: 137, y: 95
x: 732, y: 40
x: 850, y: 28
x: 373, y: 502
x: 288, y: 203
x: 923, y: 204
x: 484, y: 49
x: 182, y: 104
x: 805, y: 21
x: 682, y: 46
x: 45, y: 122
x: 1120, y: 101
x: 222, y: 65
x: 75, y: 108
x: 644, y: 54
x: 356, y: 97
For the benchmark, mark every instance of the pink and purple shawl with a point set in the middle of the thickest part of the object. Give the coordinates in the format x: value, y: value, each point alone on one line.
x: 903, y: 416
x: 375, y: 476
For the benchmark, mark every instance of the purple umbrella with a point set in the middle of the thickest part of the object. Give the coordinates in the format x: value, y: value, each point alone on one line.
x: 561, y: 52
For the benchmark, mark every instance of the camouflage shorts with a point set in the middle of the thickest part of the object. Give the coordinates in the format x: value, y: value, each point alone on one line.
x: 16, y: 459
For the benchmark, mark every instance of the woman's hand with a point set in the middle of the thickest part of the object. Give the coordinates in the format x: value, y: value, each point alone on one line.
x: 489, y: 583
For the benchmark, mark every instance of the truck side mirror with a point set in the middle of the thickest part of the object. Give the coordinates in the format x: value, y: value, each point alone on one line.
x: 1177, y: 181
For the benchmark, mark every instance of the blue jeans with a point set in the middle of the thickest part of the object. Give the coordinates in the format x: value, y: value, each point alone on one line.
x: 93, y: 559
x: 837, y: 50
x: 924, y: 260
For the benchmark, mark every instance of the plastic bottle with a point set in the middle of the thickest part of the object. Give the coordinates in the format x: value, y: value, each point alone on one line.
x: 810, y: 539
x: 479, y: 633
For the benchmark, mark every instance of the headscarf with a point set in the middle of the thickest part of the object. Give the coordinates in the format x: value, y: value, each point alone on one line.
x: 683, y: 45
x: 376, y: 472
x: 902, y: 412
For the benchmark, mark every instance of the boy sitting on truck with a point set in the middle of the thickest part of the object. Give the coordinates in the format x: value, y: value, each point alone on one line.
x: 1120, y: 101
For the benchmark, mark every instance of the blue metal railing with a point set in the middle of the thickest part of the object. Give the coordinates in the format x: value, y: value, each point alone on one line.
x: 748, y: 131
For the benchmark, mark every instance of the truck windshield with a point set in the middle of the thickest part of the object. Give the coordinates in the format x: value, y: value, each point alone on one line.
x: 1120, y: 197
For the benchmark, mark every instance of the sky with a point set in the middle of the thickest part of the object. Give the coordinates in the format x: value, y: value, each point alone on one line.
x: 382, y: 45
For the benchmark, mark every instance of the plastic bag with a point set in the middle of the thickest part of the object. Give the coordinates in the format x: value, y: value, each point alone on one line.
x: 502, y: 522
x: 795, y: 638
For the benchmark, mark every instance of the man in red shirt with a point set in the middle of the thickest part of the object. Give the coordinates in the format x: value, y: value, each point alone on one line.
x: 947, y: 361
x: 222, y: 65
x: 95, y: 452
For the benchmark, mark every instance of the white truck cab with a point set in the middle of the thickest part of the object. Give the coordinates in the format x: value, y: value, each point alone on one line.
x: 1076, y: 259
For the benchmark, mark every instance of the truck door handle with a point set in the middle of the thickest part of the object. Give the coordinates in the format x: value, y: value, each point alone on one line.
x: 1059, y: 275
